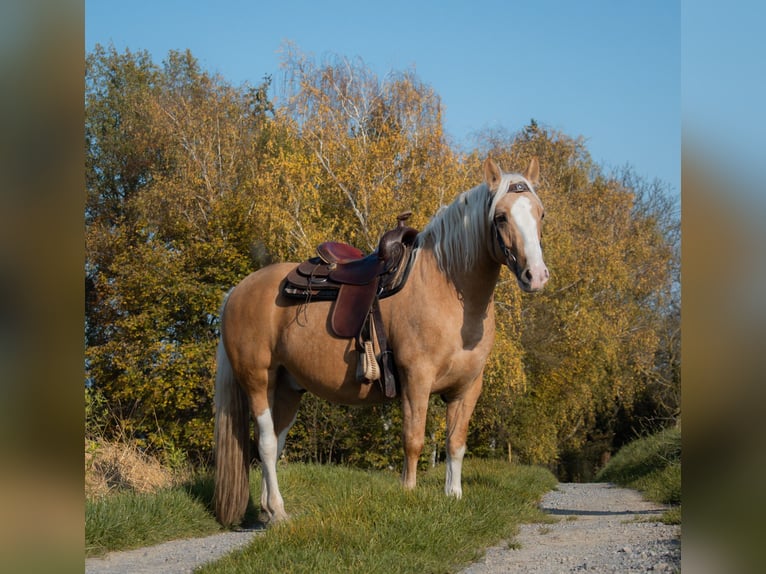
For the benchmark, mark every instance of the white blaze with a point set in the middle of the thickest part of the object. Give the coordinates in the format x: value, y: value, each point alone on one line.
x: 527, y: 225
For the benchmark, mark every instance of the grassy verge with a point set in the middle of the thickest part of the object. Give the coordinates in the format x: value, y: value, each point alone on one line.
x: 651, y: 465
x: 124, y: 520
x: 342, y: 519
x: 347, y: 520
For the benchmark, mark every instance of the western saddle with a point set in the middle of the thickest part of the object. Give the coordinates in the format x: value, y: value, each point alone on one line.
x: 355, y: 282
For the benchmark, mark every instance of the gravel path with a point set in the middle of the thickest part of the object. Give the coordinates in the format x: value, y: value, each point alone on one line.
x: 600, y: 528
x: 174, y: 557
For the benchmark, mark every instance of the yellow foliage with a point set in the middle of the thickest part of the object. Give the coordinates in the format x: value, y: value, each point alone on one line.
x: 192, y: 183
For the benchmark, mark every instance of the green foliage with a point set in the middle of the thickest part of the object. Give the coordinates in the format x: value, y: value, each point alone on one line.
x: 651, y: 464
x: 193, y: 183
x: 96, y: 413
x: 164, y: 242
x: 644, y: 456
x: 662, y: 485
x: 367, y: 438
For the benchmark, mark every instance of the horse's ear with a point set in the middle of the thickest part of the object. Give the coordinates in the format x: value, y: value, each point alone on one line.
x: 532, y: 174
x: 492, y: 174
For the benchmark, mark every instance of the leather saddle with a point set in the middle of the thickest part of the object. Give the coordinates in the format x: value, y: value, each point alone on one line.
x: 355, y: 282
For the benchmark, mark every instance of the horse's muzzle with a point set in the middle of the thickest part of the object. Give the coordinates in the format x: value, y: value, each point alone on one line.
x: 533, y: 278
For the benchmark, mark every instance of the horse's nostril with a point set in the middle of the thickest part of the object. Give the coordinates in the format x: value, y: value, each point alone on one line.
x: 528, y: 275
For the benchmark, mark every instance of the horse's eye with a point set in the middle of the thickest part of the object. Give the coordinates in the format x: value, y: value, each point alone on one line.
x: 501, y: 218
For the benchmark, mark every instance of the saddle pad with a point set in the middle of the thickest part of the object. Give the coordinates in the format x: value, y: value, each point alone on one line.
x: 311, y: 275
x: 313, y: 269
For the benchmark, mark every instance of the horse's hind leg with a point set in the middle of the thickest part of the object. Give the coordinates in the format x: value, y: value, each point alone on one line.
x: 274, y: 417
x: 459, y: 411
x: 287, y: 399
x: 283, y: 410
x: 261, y: 406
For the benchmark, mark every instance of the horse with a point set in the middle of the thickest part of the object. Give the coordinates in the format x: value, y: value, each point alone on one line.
x: 440, y: 327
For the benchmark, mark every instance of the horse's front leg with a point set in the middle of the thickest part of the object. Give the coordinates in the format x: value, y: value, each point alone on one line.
x: 459, y: 411
x: 414, y: 412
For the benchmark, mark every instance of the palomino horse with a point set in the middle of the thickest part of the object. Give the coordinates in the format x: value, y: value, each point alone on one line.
x: 440, y: 326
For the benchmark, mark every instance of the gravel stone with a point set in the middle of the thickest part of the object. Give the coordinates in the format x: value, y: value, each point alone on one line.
x: 601, y: 528
x: 174, y: 557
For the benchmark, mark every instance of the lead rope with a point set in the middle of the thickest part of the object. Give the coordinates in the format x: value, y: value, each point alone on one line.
x: 371, y: 367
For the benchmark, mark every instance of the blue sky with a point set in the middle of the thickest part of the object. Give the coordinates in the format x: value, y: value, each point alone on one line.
x: 609, y: 71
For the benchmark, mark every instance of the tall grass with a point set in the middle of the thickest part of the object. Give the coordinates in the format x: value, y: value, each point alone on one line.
x: 651, y: 465
x: 347, y: 520
x: 129, y: 519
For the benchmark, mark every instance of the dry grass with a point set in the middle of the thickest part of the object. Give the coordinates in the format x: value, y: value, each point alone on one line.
x: 112, y: 467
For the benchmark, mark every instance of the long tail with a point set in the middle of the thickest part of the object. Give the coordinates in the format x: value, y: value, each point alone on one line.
x: 232, y: 442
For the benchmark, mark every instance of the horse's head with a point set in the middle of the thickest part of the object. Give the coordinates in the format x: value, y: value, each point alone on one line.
x: 516, y: 215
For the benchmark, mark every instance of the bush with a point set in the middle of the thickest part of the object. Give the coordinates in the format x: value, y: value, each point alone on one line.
x: 651, y: 465
x: 643, y: 456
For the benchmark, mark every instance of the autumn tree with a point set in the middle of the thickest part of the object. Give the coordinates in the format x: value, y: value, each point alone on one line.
x: 362, y: 150
x: 378, y: 145
x: 591, y: 337
x: 171, y: 225
x: 193, y: 183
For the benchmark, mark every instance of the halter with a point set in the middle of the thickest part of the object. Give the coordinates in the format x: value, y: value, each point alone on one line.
x: 510, y: 258
x: 518, y: 187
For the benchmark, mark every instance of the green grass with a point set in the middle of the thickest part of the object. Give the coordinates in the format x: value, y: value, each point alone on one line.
x: 342, y: 519
x: 347, y: 520
x: 651, y: 465
x: 130, y: 520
